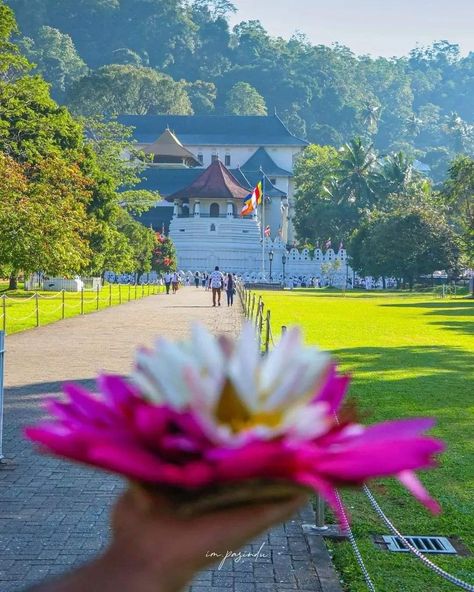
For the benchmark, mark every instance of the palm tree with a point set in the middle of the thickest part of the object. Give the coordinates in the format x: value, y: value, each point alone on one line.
x: 413, y: 125
x: 462, y: 132
x: 357, y: 173
x: 395, y: 174
x: 371, y: 116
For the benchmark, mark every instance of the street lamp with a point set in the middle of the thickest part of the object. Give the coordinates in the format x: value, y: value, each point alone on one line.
x: 270, y: 256
x: 283, y: 260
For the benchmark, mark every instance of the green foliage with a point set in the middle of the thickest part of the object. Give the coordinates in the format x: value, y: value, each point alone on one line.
x: 164, y: 254
x: 116, y: 89
x: 243, y: 99
x: 421, y: 105
x: 56, y: 58
x: 142, y: 242
x: 336, y: 190
x: 11, y: 61
x: 62, y: 212
x: 320, y: 211
x: 459, y: 193
x: 405, y: 243
x: 43, y: 219
x: 202, y: 96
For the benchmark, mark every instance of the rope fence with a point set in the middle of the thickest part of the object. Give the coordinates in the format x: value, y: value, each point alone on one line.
x: 38, y: 306
x: 255, y: 312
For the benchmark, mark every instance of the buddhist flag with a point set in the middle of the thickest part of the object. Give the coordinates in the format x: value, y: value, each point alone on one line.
x: 252, y: 200
x: 248, y: 206
x: 257, y: 194
x: 267, y: 231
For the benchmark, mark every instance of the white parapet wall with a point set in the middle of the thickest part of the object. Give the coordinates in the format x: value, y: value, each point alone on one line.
x: 235, y: 246
x: 202, y: 243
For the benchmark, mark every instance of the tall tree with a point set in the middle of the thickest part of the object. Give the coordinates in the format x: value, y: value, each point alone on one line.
x: 405, y: 244
x: 56, y: 59
x: 321, y: 211
x: 244, y: 99
x: 44, y: 223
x: 117, y: 89
x: 459, y: 192
x: 356, y: 173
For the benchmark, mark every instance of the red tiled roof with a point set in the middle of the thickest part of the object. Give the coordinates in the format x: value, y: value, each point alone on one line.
x: 215, y: 182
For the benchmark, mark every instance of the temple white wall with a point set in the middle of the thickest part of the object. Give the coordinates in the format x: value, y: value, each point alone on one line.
x: 235, y: 246
x: 282, y: 155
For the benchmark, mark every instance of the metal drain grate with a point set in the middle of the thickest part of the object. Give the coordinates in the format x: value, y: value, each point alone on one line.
x: 425, y: 544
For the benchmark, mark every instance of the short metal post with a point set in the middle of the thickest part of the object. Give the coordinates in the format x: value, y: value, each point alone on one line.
x: 260, y: 325
x: 97, y: 298
x: 63, y: 304
x: 37, y: 309
x: 267, y: 336
x: 135, y: 290
x: 258, y: 311
x: 82, y: 300
x: 253, y: 306
x: 110, y: 294
x: 129, y: 290
x: 2, y: 366
x: 320, y: 513
x: 4, y: 310
x: 143, y: 290
x: 120, y: 293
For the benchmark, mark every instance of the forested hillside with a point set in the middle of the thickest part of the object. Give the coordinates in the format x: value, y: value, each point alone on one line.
x: 178, y: 56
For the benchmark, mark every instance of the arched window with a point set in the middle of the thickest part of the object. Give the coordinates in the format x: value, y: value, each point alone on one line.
x: 213, y: 227
x: 214, y: 210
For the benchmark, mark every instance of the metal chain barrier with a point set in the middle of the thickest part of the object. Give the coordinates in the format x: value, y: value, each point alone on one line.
x: 358, y: 555
x: 74, y: 304
x: 435, y: 568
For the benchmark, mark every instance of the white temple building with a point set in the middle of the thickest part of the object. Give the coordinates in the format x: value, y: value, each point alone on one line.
x: 204, y: 167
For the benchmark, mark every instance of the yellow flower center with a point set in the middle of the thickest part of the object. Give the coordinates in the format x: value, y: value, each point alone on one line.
x: 232, y: 411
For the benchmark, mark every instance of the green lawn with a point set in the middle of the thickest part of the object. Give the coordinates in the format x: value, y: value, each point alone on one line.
x: 20, y: 306
x: 410, y: 355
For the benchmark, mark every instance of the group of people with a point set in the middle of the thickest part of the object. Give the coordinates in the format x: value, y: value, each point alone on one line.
x: 216, y: 281
x: 171, y: 281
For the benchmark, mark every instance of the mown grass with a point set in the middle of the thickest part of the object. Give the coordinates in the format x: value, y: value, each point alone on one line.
x: 410, y: 355
x: 20, y: 306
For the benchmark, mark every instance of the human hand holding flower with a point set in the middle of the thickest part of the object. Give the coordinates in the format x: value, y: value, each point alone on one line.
x: 209, y: 416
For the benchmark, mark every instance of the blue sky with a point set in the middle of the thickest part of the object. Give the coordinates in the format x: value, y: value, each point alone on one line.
x: 378, y: 27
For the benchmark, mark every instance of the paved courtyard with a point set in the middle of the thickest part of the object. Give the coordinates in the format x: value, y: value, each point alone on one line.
x: 53, y: 514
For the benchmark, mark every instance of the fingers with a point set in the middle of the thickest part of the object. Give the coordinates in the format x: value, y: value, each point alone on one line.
x: 237, y: 526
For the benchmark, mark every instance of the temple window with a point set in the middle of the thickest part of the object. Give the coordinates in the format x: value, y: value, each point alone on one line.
x: 227, y: 160
x: 213, y: 227
x: 214, y: 210
x: 214, y: 157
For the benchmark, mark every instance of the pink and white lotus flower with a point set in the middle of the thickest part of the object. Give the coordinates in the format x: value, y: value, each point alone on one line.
x: 210, y: 412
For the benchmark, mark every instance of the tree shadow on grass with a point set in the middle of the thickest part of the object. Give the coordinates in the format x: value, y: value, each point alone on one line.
x: 467, y: 305
x: 461, y: 309
x: 425, y: 377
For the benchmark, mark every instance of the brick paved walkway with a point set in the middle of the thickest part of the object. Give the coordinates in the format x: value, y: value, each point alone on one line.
x: 53, y: 514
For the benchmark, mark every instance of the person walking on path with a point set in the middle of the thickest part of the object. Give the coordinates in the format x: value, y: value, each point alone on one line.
x: 168, y: 278
x: 217, y: 282
x: 175, y: 282
x: 196, y: 279
x: 230, y: 289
